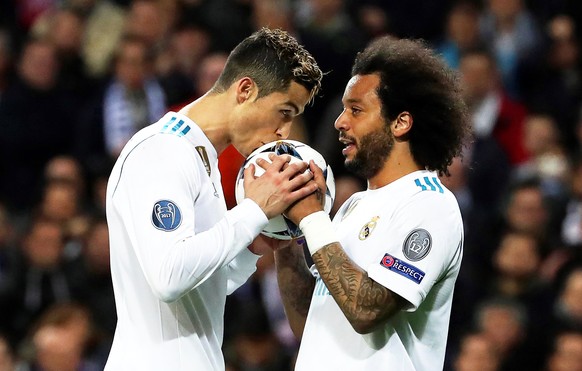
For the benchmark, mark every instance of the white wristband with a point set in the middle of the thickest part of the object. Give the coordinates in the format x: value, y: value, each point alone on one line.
x: 318, y: 231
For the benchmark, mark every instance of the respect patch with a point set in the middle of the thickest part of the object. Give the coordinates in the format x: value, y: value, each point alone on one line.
x: 402, y: 268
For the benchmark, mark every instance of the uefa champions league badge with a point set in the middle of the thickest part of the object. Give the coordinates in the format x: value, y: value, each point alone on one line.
x: 367, y: 229
x: 166, y: 216
x: 417, y: 244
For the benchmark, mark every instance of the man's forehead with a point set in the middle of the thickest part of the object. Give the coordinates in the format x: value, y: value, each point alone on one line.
x: 361, y: 85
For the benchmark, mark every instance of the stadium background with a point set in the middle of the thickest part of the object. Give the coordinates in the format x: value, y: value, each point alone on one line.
x: 77, y: 77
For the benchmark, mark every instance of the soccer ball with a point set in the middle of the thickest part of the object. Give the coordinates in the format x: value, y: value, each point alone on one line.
x: 279, y: 227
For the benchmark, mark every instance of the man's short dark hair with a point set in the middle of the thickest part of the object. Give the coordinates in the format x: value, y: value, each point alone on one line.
x: 273, y: 59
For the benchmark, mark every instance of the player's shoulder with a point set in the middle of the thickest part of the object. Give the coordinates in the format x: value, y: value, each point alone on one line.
x: 170, y: 132
x: 425, y: 184
x: 424, y: 190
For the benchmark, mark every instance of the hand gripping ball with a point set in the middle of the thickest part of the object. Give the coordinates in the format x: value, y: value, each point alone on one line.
x: 280, y: 227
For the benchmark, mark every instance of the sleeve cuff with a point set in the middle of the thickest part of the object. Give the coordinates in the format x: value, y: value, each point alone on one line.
x: 246, y: 258
x: 250, y: 215
x: 412, y: 295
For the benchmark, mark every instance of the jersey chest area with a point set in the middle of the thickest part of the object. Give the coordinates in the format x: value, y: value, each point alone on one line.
x: 209, y: 203
x: 363, y: 227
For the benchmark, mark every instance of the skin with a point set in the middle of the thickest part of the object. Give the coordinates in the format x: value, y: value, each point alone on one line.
x: 237, y: 117
x: 366, y: 304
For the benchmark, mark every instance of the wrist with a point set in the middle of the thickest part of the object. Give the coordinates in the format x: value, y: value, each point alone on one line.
x: 318, y: 231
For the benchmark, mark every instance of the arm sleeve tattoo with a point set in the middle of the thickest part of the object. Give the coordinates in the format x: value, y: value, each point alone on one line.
x: 364, y: 302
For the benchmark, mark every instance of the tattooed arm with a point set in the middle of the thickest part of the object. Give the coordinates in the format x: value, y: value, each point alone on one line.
x: 296, y: 284
x: 365, y: 303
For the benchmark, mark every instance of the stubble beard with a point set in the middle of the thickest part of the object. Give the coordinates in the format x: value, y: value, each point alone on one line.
x: 373, y: 150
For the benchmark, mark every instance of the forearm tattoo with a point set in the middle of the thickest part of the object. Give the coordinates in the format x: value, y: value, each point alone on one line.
x: 361, y: 299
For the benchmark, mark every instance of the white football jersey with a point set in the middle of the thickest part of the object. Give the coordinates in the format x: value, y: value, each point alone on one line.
x: 176, y: 252
x: 408, y: 236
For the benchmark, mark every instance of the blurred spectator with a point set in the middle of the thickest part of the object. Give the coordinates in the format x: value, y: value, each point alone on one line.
x: 60, y: 340
x: 494, y: 113
x: 554, y: 82
x: 37, y: 122
x: 517, y: 265
x: 330, y: 34
x: 62, y: 203
x: 255, y: 347
x: 498, y: 129
x: 511, y: 32
x: 477, y: 352
x: 65, y: 29
x: 40, y: 277
x: 207, y: 71
x: 504, y: 324
x: 65, y: 199
x: 216, y: 14
x: 517, y: 260
x: 273, y: 14
x: 461, y: 32
x: 571, y: 228
x: 92, y: 282
x: 150, y: 21
x: 550, y: 165
x: 28, y: 11
x: 132, y: 99
x: 98, y: 47
x: 66, y: 169
x: 426, y: 23
x: 527, y: 210
x: 548, y: 157
x: 178, y: 63
x: 373, y: 19
x: 97, y: 177
x: 568, y: 306
x: 566, y: 354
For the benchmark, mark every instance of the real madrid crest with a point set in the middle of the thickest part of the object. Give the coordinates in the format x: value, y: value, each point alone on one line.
x: 367, y: 229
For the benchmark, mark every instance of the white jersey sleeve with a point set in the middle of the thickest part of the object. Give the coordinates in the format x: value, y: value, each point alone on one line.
x: 174, y: 258
x: 240, y: 269
x: 416, y: 250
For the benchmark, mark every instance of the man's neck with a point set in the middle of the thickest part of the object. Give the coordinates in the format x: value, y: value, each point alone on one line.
x: 209, y: 113
x: 398, y: 164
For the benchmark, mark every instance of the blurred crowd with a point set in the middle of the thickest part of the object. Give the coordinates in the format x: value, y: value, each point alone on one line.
x: 79, y: 77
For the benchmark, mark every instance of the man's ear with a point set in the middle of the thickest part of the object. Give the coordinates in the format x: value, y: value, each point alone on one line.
x: 245, y: 89
x: 402, y: 125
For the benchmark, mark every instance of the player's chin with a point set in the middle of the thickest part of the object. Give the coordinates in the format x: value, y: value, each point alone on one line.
x: 252, y: 150
x: 348, y: 159
x: 243, y: 151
